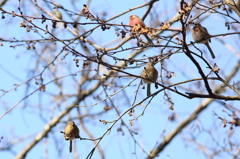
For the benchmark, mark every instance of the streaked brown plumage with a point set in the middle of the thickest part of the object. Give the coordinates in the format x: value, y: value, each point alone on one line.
x: 151, y: 73
x: 71, y: 132
x: 201, y: 35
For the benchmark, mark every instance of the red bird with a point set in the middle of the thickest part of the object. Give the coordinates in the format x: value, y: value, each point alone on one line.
x: 135, y: 20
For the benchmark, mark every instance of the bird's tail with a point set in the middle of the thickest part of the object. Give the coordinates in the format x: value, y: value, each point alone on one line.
x: 148, y: 39
x: 148, y: 89
x: 210, y: 50
x: 70, y: 146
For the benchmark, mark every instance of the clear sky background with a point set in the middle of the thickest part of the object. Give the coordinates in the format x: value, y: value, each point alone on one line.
x: 17, y: 65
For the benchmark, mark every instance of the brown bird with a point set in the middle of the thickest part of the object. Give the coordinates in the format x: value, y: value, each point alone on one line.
x: 71, y: 132
x: 151, y: 73
x: 135, y: 20
x: 201, y: 35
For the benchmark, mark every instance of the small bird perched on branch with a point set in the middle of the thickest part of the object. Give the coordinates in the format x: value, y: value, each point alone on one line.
x: 57, y: 13
x: 71, y: 132
x: 151, y: 73
x: 201, y: 35
x: 134, y: 20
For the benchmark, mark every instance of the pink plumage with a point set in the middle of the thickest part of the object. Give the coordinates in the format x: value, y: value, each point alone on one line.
x: 135, y: 20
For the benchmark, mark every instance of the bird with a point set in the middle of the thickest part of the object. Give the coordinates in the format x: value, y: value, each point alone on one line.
x: 71, y: 132
x: 201, y: 35
x: 149, y: 72
x: 57, y: 13
x: 135, y: 20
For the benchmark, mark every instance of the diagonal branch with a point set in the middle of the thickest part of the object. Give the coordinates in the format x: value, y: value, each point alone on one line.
x: 168, y: 138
